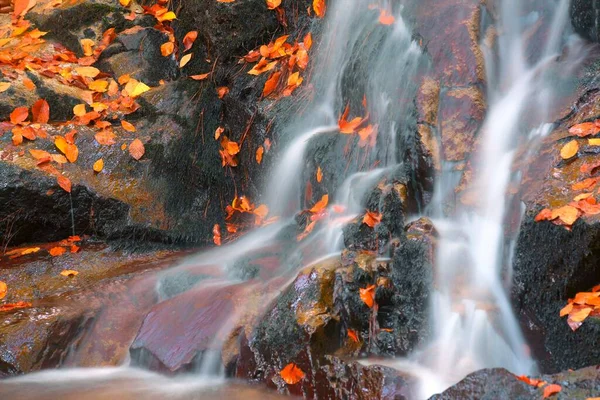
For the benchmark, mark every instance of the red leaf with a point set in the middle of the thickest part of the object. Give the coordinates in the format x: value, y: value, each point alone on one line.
x: 291, y: 374
x: 372, y: 218
x: 64, y: 183
x: 41, y: 111
x: 15, y: 306
x: 551, y: 389
x: 189, y: 39
x: 367, y: 295
x: 19, y: 115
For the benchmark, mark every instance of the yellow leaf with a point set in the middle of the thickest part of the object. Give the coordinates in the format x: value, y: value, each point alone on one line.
x: 184, y: 60
x: 99, y: 86
x: 88, y: 72
x: 125, y: 3
x: 139, y: 89
x: 569, y: 150
x: 69, y: 273
x: 79, y: 110
x: 98, y: 165
x: 580, y: 315
x: 4, y: 86
x: 168, y: 16
x: 3, y: 290
x: 594, y: 142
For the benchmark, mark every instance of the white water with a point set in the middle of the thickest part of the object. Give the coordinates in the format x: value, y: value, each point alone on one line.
x: 473, y: 323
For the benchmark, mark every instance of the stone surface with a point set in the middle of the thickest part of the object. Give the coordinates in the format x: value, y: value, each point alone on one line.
x: 585, y: 18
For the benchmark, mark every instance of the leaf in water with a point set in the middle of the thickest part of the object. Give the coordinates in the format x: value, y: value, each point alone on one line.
x: 41, y: 111
x: 70, y: 273
x: 386, y: 18
x: 64, y: 183
x: 367, y: 295
x: 321, y: 204
x: 189, y: 39
x: 57, y: 251
x: 3, y: 290
x: 551, y: 389
x: 136, y: 149
x: 569, y: 150
x: 98, y: 165
x: 15, y: 306
x: 291, y: 374
x: 372, y: 218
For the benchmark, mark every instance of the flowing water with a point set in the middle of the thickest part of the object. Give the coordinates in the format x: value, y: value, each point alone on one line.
x: 474, y: 326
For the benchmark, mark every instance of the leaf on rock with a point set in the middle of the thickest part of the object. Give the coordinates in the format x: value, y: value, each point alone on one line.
x: 127, y: 126
x: 57, y: 251
x: 41, y: 111
x: 273, y: 4
x: 271, y: 83
x: 321, y: 204
x: 569, y: 150
x: 319, y: 7
x: 222, y: 91
x: 259, y: 154
x: 3, y: 290
x: 200, y: 77
x: 217, y: 234
x: 353, y: 335
x: 166, y: 49
x: 291, y: 374
x: 15, y: 306
x: 372, y: 218
x: 189, y: 39
x: 551, y: 389
x: 584, y: 129
x: 319, y: 174
x: 581, y: 315
x: 64, y: 183
x: 70, y: 273
x: 185, y: 59
x: 19, y: 115
x: 105, y: 137
x: 88, y: 72
x: 136, y: 149
x: 98, y: 165
x: 4, y: 86
x: 367, y: 295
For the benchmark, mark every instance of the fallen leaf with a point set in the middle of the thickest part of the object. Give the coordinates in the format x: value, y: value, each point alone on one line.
x: 319, y: 7
x: 259, y: 154
x: 353, y: 335
x: 567, y: 214
x: 189, y: 39
x: 79, y: 110
x: 594, y: 142
x: 386, y: 18
x: 551, y: 389
x: 185, y: 59
x: 28, y: 84
x: 57, y: 251
x: 566, y: 309
x: 88, y: 72
x: 22, y: 6
x: 105, y: 137
x: 272, y: 4
x: 367, y: 295
x: 124, y: 3
x: 64, y: 183
x: 217, y: 234
x: 69, y: 273
x: 271, y: 83
x: 40, y: 111
x: 88, y: 46
x: 127, y: 126
x: 218, y: 132
x: 98, y: 165
x: 19, y: 115
x: 15, y: 306
x: 581, y: 315
x: 569, y: 150
x: 99, y: 86
x: 319, y: 175
x: 320, y: 205
x: 291, y: 374
x: 200, y: 77
x: 166, y: 49
x: 139, y: 89
x: 372, y: 218
x: 69, y: 150
x: 136, y: 149
x: 39, y: 154
x: 168, y: 16
x: 4, y: 86
x: 531, y: 381
x: 3, y: 290
x: 584, y: 129
x: 222, y: 91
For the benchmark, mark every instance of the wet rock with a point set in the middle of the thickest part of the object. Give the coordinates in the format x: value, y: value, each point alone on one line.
x: 585, y: 18
x: 136, y: 51
x: 501, y: 384
x: 68, y: 312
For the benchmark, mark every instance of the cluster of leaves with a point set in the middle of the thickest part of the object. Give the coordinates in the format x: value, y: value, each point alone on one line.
x: 585, y: 304
x: 241, y: 215
x: 584, y: 203
x: 359, y: 125
x: 285, y: 61
x: 549, y: 390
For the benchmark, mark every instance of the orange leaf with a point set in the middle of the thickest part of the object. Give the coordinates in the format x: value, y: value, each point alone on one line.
x: 319, y: 7
x: 319, y: 175
x: 271, y: 83
x: 69, y: 150
x: 57, y: 251
x: 64, y: 183
x: 222, y: 91
x: 185, y: 59
x: 88, y: 72
x: 39, y: 154
x: 551, y: 389
x: 372, y: 218
x: 217, y: 234
x: 272, y: 4
x: 584, y: 129
x: 569, y: 150
x: 353, y: 335
x: 166, y: 49
x: 200, y: 77
x: 580, y: 315
x: 259, y: 154
x: 28, y: 83
x: 567, y: 214
x: 19, y: 115
x: 79, y: 110
x: 531, y: 381
x: 15, y: 306
x: 321, y: 204
x: 69, y: 273
x: 3, y: 290
x: 261, y: 211
x: 218, y: 132
x: 136, y: 149
x: 99, y: 86
x: 127, y: 126
x: 98, y: 165
x: 386, y: 18
x: 189, y: 39
x: 22, y: 6
x: 41, y: 111
x: 105, y: 137
x: 566, y: 309
x: 291, y: 374
x: 367, y: 295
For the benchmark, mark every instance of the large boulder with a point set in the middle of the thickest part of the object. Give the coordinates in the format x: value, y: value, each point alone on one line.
x: 586, y: 19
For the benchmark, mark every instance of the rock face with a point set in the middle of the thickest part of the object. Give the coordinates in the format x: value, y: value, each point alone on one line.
x: 551, y: 263
x: 95, y: 313
x: 491, y: 384
x: 585, y: 18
